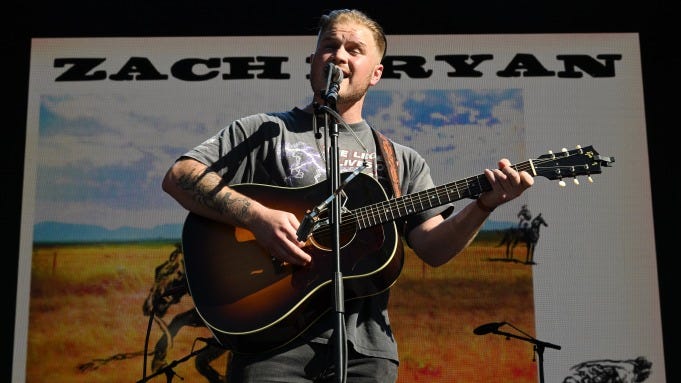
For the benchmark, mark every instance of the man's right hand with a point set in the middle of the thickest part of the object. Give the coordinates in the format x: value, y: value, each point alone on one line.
x: 276, y: 230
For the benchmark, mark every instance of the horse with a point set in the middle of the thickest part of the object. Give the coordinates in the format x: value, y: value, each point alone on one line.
x: 529, y: 236
x: 170, y: 285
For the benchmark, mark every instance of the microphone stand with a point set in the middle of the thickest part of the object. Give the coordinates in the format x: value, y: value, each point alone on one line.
x: 539, y: 347
x: 333, y: 174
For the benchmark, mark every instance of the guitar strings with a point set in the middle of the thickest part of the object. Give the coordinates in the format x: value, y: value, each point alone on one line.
x: 382, y: 212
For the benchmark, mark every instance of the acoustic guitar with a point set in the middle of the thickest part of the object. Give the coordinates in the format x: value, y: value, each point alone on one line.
x: 253, y: 302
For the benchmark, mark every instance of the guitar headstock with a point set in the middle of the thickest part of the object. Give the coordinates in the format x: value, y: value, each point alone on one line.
x: 571, y: 163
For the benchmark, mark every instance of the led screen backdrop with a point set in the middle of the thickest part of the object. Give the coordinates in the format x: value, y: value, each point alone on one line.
x: 108, y: 116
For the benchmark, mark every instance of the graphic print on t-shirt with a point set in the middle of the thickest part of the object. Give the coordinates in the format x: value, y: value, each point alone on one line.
x: 307, y: 167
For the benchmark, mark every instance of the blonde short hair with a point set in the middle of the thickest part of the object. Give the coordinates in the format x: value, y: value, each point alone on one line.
x: 352, y: 15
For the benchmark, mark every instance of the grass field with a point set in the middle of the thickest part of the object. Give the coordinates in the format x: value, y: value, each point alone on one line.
x: 86, y: 322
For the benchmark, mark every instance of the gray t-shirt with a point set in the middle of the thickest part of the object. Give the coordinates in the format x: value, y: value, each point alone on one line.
x: 281, y: 149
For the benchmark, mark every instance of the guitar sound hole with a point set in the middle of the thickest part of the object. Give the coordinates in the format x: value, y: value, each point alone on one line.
x: 322, y: 236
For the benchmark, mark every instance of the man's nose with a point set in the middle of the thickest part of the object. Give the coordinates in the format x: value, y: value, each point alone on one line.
x: 339, y: 55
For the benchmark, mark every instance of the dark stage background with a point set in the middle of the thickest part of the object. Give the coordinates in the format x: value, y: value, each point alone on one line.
x: 652, y: 20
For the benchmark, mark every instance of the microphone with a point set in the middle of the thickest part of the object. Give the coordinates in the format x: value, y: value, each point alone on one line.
x: 488, y: 328
x: 334, y: 78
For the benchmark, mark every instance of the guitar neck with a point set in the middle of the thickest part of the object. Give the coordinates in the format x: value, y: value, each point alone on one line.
x: 396, y: 208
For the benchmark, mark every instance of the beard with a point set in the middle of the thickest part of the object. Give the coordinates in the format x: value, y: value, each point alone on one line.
x: 353, y: 94
x: 346, y: 95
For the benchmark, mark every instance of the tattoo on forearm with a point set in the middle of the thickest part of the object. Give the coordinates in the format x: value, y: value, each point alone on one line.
x: 232, y: 204
x: 205, y: 193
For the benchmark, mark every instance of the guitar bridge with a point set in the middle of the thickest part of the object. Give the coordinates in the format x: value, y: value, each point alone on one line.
x: 278, y: 265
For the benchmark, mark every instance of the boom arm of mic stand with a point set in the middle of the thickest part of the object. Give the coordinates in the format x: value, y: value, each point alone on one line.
x: 539, y: 347
x: 534, y: 341
x: 306, y: 226
x: 168, y: 369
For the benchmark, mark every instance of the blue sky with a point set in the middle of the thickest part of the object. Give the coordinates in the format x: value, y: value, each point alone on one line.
x: 101, y: 157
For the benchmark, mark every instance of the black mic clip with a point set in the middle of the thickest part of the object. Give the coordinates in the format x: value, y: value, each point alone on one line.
x: 305, y: 228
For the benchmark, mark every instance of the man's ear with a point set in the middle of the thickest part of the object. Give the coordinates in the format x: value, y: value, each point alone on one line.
x: 376, y: 76
x: 310, y: 59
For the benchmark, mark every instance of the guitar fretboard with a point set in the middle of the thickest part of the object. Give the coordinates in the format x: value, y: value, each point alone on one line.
x: 396, y: 208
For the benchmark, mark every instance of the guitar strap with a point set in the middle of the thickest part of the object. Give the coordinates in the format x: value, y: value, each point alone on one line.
x: 388, y: 153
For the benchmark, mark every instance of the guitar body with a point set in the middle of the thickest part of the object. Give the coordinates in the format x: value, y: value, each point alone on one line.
x: 252, y: 302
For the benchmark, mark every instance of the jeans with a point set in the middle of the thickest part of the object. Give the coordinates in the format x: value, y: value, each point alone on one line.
x: 309, y: 363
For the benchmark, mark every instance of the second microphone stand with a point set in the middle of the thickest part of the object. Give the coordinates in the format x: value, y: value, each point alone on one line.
x: 539, y: 347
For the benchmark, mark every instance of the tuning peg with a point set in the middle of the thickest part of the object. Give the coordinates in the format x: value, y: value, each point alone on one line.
x: 591, y: 180
x: 576, y: 181
x: 578, y: 146
x: 561, y: 183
